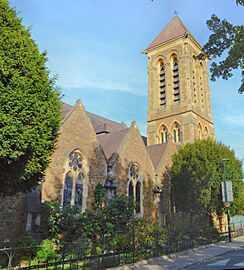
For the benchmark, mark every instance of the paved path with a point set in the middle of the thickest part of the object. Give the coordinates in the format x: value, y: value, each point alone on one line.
x: 186, y: 258
x: 230, y: 260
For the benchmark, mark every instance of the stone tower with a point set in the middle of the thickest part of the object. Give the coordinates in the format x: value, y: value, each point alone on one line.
x: 178, y: 89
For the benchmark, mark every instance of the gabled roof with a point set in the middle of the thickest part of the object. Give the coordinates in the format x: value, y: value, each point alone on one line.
x: 156, y: 152
x: 99, y: 123
x: 175, y: 28
x: 111, y: 142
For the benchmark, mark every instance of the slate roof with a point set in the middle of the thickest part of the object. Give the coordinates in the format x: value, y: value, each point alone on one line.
x: 175, y: 28
x: 156, y: 152
x: 111, y: 142
x: 99, y: 123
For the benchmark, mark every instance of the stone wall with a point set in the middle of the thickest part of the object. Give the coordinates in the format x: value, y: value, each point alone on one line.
x: 132, y: 149
x: 12, y: 217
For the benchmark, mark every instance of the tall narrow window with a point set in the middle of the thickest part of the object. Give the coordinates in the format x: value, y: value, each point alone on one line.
x: 78, y: 192
x: 206, y: 133
x: 199, y: 131
x: 162, y: 86
x: 68, y: 184
x: 176, y: 81
x: 131, y: 190
x: 177, y: 133
x: 138, y: 197
x: 164, y: 134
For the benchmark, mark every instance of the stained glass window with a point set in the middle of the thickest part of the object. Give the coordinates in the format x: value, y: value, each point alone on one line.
x: 134, y: 187
x: 78, y: 191
x: 138, y: 197
x: 131, y: 191
x: 68, y: 184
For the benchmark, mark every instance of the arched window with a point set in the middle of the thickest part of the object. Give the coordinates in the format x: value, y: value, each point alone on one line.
x: 176, y: 80
x: 177, y: 132
x: 68, y: 186
x: 199, y: 131
x: 73, y: 182
x: 206, y: 135
x: 162, y: 86
x: 78, y: 191
x: 135, y: 187
x: 138, y: 197
x: 164, y: 134
x: 130, y: 190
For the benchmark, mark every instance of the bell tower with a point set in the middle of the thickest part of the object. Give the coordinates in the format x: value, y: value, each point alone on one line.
x: 178, y: 89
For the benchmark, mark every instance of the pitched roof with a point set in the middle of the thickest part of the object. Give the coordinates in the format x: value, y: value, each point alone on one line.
x: 111, y: 142
x: 175, y: 28
x: 156, y: 151
x: 99, y: 123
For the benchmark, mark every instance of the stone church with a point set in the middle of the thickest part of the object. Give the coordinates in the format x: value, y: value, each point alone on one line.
x: 92, y: 149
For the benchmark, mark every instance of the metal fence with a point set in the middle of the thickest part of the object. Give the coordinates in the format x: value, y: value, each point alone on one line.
x: 113, y: 259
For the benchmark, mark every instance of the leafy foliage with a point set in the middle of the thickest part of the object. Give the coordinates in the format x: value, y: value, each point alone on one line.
x: 30, y: 106
x: 46, y: 252
x: 108, y: 227
x: 196, y: 176
x: 228, y: 38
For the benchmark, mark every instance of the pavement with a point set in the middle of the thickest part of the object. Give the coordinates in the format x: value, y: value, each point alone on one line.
x: 182, y: 260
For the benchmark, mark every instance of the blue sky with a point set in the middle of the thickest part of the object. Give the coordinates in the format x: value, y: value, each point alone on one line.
x: 94, y: 46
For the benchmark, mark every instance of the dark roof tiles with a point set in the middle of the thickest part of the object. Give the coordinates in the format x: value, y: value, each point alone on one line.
x: 99, y: 123
x: 111, y: 142
x: 156, y: 152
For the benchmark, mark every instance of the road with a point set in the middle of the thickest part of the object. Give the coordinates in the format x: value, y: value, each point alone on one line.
x: 231, y: 260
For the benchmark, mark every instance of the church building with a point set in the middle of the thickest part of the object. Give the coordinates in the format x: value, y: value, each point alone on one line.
x: 92, y: 149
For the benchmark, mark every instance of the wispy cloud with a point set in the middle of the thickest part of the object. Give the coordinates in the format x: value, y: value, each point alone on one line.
x: 105, y: 85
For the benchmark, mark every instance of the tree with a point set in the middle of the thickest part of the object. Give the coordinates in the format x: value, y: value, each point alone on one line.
x: 197, y: 173
x: 228, y: 38
x: 29, y: 107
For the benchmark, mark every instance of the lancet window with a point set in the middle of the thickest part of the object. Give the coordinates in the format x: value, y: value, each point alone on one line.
x: 176, y: 133
x: 135, y: 187
x: 162, y: 86
x: 176, y: 80
x: 164, y: 134
x: 206, y: 133
x: 199, y: 131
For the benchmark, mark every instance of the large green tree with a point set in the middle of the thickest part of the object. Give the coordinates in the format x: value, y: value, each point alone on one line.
x: 226, y: 39
x: 29, y: 106
x: 197, y: 173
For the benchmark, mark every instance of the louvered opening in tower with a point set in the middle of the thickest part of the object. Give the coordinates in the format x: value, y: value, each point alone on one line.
x: 162, y: 86
x: 176, y: 82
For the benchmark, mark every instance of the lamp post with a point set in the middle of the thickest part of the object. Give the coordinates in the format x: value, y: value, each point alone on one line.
x: 225, y: 197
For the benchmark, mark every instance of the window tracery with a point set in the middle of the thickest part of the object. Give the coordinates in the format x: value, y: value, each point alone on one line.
x: 73, y: 182
x: 135, y: 187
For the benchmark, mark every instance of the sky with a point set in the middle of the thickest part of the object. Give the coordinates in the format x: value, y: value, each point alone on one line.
x: 94, y: 48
